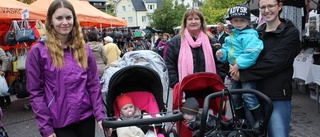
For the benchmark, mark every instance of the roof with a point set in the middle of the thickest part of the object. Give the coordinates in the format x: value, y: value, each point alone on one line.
x: 138, y: 5
x: 96, y: 0
x: 150, y: 1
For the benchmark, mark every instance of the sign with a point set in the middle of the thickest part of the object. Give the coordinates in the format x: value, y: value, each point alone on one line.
x: 24, y: 13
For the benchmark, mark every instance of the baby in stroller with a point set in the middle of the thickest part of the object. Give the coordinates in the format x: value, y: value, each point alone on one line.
x: 127, y: 112
x: 192, y: 117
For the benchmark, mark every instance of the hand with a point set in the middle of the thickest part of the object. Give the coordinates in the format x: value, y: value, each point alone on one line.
x: 233, y: 68
x: 219, y: 54
x: 52, y: 135
x: 100, y: 125
x: 110, y: 132
x: 217, y: 45
x: 236, y: 76
x: 2, y: 73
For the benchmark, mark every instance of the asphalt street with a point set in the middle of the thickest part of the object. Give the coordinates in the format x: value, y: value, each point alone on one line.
x: 19, y: 121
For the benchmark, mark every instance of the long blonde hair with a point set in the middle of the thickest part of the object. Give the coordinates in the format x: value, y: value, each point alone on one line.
x: 191, y: 12
x: 75, y: 38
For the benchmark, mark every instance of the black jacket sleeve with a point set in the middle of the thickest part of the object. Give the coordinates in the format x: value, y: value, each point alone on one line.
x: 171, y: 60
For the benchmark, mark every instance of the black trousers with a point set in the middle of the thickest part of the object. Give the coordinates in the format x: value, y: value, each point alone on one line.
x: 85, y: 128
x: 5, y: 101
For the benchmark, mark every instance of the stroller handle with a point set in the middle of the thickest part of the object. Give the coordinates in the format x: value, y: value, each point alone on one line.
x: 235, y: 91
x: 176, y: 116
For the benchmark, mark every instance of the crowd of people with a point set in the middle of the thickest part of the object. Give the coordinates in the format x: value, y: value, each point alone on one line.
x: 63, y: 70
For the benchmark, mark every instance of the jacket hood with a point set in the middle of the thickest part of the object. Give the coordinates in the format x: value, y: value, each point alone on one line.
x: 95, y: 46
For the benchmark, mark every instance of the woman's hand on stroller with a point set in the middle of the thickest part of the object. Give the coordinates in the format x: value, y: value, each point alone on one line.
x: 100, y: 125
x: 53, y: 135
x: 109, y: 132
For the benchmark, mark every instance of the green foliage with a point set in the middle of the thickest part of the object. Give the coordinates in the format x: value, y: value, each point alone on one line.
x: 109, y: 10
x: 167, y: 16
x: 26, y: 1
x: 214, y: 11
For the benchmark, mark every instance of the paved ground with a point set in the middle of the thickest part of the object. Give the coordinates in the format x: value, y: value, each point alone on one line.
x: 19, y: 122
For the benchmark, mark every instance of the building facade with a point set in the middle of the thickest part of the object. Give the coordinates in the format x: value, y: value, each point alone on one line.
x: 136, y: 11
x: 99, y: 4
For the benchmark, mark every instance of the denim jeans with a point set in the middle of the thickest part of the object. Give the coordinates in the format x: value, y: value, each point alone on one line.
x: 250, y: 100
x: 279, y: 124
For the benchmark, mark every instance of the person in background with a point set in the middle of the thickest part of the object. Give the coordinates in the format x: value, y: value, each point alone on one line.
x: 192, y: 50
x: 223, y: 66
x: 296, y: 11
x: 128, y: 46
x: 4, y: 100
x: 63, y: 79
x: 112, y: 50
x: 163, y: 45
x: 3, y: 132
x: 221, y: 33
x: 228, y: 28
x: 97, y: 49
x: 274, y: 67
x: 158, y: 40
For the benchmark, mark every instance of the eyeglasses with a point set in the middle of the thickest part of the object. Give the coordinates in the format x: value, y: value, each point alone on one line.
x: 270, y: 7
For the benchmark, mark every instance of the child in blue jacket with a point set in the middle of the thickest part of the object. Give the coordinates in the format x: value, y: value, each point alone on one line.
x: 241, y: 49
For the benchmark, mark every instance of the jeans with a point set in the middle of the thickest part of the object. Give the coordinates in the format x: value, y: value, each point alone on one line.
x: 250, y: 100
x: 279, y: 124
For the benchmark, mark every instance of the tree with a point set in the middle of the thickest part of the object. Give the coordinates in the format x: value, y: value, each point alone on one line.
x: 26, y: 1
x: 214, y: 11
x: 167, y: 16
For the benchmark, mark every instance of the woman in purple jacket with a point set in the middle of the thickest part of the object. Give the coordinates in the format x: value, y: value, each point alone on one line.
x: 163, y: 44
x: 62, y: 78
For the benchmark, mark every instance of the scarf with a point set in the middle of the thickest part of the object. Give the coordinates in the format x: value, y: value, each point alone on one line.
x: 185, y: 60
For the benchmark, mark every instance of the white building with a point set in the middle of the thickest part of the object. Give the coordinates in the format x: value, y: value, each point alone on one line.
x: 136, y: 11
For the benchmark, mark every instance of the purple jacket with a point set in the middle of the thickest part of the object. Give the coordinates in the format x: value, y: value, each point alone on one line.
x: 62, y: 97
x: 165, y: 45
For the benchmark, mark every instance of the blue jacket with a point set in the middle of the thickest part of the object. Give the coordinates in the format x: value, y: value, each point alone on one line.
x: 241, y: 47
x: 60, y: 97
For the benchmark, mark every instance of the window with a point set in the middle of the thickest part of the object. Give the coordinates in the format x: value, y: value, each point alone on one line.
x: 123, y: 8
x: 144, y: 18
x: 97, y: 4
x: 150, y: 7
x: 130, y: 20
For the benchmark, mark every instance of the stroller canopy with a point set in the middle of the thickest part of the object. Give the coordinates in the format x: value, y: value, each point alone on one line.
x: 134, y: 78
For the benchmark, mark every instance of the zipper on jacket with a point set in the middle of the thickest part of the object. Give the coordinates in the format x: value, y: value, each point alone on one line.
x: 54, y: 96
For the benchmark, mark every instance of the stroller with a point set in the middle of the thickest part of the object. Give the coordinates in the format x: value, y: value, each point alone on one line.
x: 224, y: 127
x: 138, y: 75
x: 197, y: 85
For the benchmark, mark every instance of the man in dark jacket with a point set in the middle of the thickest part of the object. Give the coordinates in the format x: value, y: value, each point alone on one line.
x: 221, y: 33
x: 224, y: 67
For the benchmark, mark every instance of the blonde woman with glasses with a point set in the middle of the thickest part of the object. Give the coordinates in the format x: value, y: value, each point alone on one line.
x: 274, y: 67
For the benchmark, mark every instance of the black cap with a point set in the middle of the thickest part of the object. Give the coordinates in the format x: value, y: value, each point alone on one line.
x: 191, y: 106
x: 239, y: 11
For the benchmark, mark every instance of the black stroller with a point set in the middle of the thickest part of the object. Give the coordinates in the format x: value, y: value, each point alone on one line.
x: 235, y: 127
